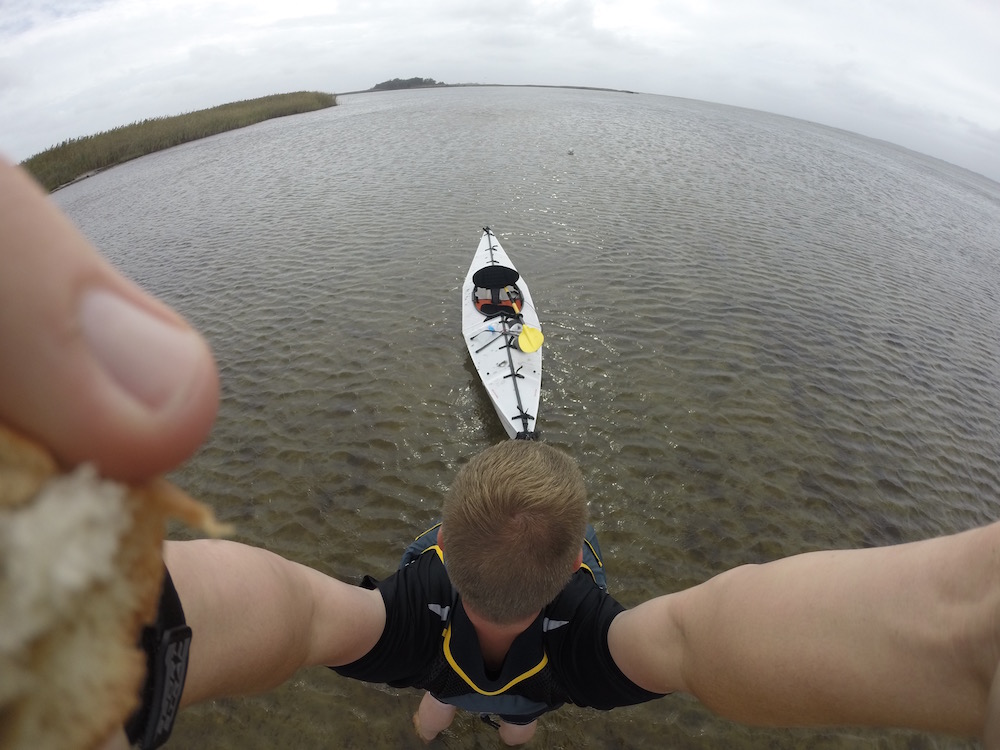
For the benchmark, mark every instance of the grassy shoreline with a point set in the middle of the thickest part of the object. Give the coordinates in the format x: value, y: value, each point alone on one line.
x: 81, y: 157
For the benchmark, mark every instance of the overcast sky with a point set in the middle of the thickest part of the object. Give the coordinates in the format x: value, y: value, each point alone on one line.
x: 924, y: 74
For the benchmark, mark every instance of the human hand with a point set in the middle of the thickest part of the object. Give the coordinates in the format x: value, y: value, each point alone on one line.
x: 91, y: 366
x: 95, y: 370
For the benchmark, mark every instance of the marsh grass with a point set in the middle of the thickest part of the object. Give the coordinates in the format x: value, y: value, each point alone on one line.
x: 77, y: 157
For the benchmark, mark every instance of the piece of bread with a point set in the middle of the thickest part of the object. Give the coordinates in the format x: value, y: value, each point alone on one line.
x: 80, y: 573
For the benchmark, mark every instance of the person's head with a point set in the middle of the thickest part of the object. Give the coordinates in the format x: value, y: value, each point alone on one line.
x: 512, y: 528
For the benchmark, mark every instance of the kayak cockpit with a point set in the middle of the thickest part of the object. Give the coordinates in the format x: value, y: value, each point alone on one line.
x: 495, y: 291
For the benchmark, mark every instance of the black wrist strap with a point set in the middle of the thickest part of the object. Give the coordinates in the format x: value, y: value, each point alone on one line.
x: 167, y: 644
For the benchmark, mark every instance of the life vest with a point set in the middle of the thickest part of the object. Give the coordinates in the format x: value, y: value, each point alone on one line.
x: 526, y: 686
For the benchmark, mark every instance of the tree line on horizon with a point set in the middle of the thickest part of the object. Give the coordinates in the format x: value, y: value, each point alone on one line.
x: 406, y: 83
x: 76, y: 157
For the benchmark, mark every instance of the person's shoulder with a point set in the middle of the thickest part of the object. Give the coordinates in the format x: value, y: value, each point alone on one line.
x: 582, y: 600
x: 424, y: 577
x: 416, y: 597
x: 576, y: 628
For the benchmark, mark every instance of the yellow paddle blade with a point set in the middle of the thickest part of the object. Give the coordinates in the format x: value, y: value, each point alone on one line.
x: 530, y: 339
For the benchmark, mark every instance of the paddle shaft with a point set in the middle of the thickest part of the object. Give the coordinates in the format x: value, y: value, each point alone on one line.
x: 531, y: 338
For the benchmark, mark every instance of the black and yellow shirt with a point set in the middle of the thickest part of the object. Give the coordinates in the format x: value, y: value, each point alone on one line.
x: 563, y: 657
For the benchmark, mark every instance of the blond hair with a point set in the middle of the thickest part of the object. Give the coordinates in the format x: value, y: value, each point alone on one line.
x: 512, y: 527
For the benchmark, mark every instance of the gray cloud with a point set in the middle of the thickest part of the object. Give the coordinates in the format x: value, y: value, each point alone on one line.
x: 925, y: 75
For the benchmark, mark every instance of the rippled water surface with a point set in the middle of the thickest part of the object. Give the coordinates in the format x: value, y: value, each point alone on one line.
x: 763, y: 336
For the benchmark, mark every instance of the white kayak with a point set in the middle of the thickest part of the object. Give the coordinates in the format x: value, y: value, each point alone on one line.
x: 500, y: 326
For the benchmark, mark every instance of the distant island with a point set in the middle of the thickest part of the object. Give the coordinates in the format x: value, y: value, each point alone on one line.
x: 397, y: 84
x: 77, y: 158
x: 407, y: 83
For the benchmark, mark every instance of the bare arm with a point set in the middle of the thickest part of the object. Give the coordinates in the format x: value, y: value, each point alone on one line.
x: 256, y: 617
x: 903, y: 636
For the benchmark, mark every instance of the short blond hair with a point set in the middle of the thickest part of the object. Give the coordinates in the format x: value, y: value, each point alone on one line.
x: 512, y: 527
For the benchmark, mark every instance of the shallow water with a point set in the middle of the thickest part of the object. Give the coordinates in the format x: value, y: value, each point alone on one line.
x: 763, y: 336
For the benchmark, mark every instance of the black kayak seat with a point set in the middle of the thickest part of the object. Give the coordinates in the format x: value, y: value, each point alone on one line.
x: 495, y: 277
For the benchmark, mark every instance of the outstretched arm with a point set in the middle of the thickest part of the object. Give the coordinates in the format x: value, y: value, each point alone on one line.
x: 903, y: 636
x: 256, y: 618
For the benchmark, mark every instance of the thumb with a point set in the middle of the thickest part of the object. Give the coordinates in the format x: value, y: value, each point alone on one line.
x: 91, y: 366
